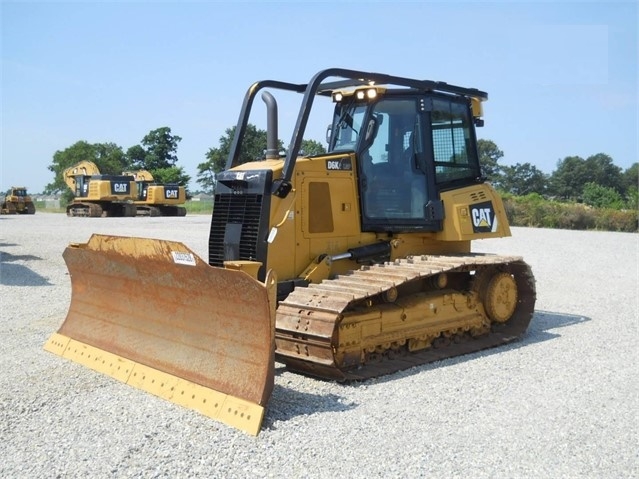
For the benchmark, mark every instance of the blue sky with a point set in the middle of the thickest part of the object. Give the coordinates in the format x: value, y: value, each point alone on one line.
x: 561, y: 76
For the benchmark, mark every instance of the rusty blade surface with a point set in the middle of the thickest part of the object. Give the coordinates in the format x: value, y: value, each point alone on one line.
x: 157, y: 303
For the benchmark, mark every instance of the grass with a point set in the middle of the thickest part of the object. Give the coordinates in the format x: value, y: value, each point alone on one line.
x: 199, y: 207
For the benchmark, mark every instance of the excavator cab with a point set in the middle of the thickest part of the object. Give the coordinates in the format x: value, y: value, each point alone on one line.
x: 344, y: 265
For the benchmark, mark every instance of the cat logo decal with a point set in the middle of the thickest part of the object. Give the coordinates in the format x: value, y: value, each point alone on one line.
x: 483, y: 217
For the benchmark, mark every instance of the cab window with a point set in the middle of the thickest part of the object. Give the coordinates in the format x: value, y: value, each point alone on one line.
x: 454, y: 156
x: 393, y: 184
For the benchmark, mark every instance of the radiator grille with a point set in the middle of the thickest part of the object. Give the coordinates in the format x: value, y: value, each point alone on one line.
x: 244, y: 209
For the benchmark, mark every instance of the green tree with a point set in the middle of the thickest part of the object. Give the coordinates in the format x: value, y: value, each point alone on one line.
x: 630, y: 177
x: 172, y: 174
x: 600, y: 196
x: 312, y: 148
x: 160, y: 150
x: 136, y: 156
x: 206, y: 171
x: 252, y: 148
x: 489, y: 155
x: 523, y: 179
x: 573, y: 172
x: 158, y: 155
x: 108, y: 157
x: 602, y: 171
x: 632, y: 198
x: 569, y: 177
x: 630, y: 180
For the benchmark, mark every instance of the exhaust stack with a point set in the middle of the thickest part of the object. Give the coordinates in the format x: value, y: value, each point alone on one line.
x: 272, y: 150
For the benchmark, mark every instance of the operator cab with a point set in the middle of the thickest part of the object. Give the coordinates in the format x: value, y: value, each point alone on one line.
x: 82, y: 185
x: 410, y: 145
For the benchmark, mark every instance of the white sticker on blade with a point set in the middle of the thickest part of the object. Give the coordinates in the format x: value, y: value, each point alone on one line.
x: 180, y: 257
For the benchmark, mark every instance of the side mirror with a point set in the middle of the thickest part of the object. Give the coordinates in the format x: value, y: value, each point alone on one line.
x: 371, y: 131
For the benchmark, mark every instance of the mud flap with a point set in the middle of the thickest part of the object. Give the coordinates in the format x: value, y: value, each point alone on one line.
x: 154, y: 315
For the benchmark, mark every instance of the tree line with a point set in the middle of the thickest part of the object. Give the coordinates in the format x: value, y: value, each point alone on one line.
x: 595, y: 181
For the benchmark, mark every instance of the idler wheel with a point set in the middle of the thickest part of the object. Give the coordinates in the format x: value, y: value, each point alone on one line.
x: 500, y: 297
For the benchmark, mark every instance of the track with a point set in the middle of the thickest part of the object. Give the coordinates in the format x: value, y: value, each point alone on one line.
x: 314, y: 332
x: 101, y: 209
x: 85, y: 209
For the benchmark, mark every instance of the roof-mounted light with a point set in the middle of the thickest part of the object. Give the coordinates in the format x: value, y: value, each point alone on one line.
x: 370, y: 94
x: 361, y: 94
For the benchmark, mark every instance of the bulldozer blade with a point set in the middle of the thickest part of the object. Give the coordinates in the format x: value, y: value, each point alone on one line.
x: 154, y: 315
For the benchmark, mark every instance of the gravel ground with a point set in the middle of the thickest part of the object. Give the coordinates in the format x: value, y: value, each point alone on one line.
x: 562, y: 402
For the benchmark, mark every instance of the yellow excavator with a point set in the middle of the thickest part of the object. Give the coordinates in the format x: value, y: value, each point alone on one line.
x: 97, y: 195
x: 344, y: 266
x: 155, y: 199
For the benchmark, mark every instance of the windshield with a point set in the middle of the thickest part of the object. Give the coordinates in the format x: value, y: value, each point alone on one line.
x: 347, y: 126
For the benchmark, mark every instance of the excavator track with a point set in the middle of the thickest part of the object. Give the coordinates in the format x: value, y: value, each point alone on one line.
x: 388, y: 317
x: 103, y: 209
x: 84, y: 209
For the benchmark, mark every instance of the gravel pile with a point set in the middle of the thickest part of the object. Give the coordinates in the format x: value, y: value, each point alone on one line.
x: 562, y: 402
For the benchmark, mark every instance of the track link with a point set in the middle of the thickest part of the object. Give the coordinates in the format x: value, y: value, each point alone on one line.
x: 312, y: 322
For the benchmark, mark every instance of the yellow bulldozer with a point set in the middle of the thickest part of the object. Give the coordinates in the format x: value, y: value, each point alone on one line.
x: 17, y: 201
x: 97, y: 195
x: 344, y: 266
x: 155, y: 199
